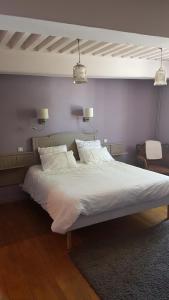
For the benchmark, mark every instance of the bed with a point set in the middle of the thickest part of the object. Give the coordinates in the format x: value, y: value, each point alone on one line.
x: 91, y: 194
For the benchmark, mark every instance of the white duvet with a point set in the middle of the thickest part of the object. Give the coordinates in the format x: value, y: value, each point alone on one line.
x: 92, y: 189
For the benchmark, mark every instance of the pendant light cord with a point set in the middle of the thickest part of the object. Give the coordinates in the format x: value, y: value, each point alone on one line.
x: 161, y: 56
x: 78, y: 49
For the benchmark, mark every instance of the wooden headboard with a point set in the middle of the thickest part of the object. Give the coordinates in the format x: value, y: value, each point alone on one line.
x: 61, y: 138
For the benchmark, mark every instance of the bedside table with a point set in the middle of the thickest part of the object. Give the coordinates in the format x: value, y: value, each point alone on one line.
x: 13, y: 167
x: 117, y: 151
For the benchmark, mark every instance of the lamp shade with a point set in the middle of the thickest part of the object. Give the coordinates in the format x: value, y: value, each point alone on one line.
x: 88, y: 112
x: 43, y: 114
x: 160, y: 77
x: 79, y: 74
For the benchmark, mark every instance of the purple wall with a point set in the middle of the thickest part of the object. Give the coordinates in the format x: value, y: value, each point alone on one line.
x: 130, y: 111
x: 124, y: 109
x: 163, y: 122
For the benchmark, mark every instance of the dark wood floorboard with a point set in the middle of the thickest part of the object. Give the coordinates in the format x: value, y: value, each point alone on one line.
x: 34, y: 263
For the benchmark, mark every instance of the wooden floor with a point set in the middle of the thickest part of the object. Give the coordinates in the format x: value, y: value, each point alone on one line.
x: 34, y: 263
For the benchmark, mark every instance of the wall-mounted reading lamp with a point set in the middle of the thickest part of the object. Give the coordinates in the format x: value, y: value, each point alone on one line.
x: 87, y: 114
x: 42, y: 117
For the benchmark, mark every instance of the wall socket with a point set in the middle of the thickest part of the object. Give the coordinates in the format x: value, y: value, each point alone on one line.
x: 20, y: 149
x: 105, y: 141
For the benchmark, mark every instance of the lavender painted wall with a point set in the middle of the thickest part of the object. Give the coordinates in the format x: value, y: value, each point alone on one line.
x: 130, y: 112
x: 163, y: 115
x: 124, y: 109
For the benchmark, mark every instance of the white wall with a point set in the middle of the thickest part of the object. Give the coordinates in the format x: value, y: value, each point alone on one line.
x: 33, y: 63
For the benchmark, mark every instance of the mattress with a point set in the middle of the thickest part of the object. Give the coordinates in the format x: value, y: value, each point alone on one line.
x: 92, y: 189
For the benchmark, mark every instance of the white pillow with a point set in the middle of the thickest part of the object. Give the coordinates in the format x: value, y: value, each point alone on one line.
x: 58, y: 161
x: 96, y: 155
x: 54, y: 149
x: 94, y: 144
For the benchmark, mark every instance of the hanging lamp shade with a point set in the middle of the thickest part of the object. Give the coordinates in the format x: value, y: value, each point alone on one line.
x: 79, y: 71
x: 160, y: 76
x: 79, y: 74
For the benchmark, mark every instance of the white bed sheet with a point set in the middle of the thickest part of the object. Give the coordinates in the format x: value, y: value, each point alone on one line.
x: 92, y: 189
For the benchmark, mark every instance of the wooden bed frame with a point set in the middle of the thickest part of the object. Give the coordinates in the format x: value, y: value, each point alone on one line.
x: 68, y: 138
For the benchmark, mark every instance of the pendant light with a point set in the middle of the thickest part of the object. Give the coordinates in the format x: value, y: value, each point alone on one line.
x: 79, y: 70
x: 160, y: 76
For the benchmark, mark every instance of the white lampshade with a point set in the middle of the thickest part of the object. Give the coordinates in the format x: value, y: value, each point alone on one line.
x: 160, y: 77
x: 79, y: 70
x: 79, y: 74
x: 88, y: 112
x: 43, y: 114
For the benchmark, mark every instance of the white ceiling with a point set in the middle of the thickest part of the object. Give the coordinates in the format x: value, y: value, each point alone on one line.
x: 33, y: 42
x: 38, y: 47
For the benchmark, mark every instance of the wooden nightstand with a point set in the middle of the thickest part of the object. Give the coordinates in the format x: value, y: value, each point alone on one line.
x: 117, y: 151
x: 13, y: 167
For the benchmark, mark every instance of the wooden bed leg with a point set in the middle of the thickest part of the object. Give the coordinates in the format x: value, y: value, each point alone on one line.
x: 69, y: 240
x: 167, y: 212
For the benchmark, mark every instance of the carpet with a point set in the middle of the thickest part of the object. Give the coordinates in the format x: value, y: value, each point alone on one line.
x: 127, y: 267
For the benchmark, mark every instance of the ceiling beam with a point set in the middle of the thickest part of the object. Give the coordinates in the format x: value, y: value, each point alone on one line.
x: 30, y: 40
x: 149, y: 53
x: 2, y: 34
x: 102, y: 50
x: 82, y: 46
x: 135, y: 50
x: 15, y: 39
x: 144, y: 51
x: 68, y: 46
x: 44, y: 43
x: 158, y: 55
x: 114, y: 50
x: 57, y: 44
x: 123, y: 50
x: 94, y: 47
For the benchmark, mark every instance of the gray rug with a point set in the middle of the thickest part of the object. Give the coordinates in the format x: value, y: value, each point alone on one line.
x: 134, y: 267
